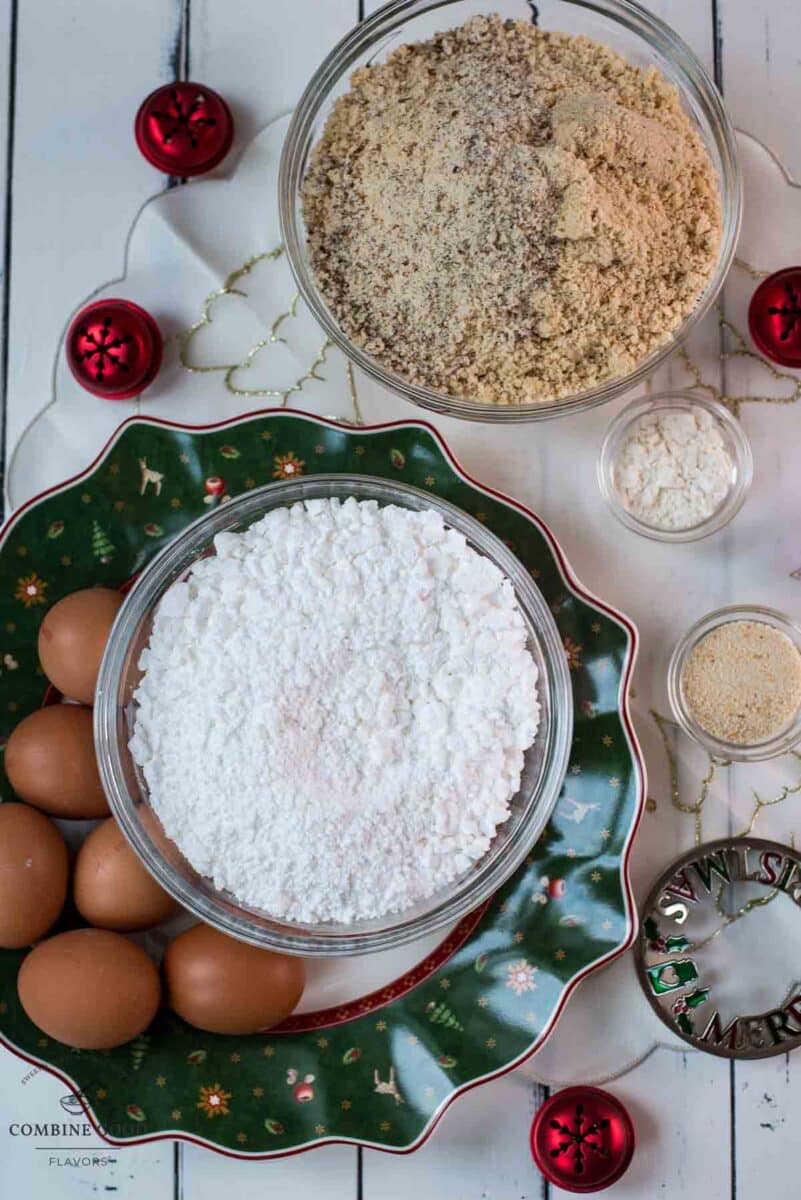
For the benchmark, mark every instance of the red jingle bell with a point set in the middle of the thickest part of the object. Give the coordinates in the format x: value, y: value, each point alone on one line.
x: 184, y: 129
x: 582, y: 1139
x: 557, y: 889
x: 114, y: 349
x: 774, y: 317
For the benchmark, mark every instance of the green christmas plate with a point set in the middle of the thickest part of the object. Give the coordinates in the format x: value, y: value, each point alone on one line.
x: 384, y: 1043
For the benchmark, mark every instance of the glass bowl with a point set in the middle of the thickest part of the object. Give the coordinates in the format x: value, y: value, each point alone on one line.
x: 720, y: 750
x: 737, y: 445
x: 643, y: 39
x: 544, y: 768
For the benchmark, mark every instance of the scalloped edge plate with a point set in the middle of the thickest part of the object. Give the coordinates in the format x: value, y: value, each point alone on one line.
x: 490, y: 951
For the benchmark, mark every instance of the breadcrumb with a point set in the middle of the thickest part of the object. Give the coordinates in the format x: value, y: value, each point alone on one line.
x: 742, y: 682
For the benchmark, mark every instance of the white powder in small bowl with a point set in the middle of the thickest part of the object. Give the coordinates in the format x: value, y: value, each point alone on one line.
x: 673, y: 470
x: 335, y: 708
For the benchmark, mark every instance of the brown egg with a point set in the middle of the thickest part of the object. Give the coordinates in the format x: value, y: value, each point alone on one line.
x: 222, y: 985
x: 89, y: 988
x: 50, y: 762
x: 72, y: 639
x: 112, y: 888
x: 34, y: 865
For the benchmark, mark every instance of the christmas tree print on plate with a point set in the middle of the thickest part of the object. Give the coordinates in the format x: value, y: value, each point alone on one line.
x: 378, y: 1060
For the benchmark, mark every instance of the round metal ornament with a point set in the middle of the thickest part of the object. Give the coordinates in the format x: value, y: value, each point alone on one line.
x: 700, y: 976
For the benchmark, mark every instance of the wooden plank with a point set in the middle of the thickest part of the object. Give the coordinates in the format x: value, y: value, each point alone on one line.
x: 760, y: 76
x: 766, y: 1128
x: 329, y: 1171
x: 478, y: 1150
x: 78, y: 176
x: 481, y: 1146
x: 77, y: 181
x: 762, y: 73
x: 8, y: 90
x: 57, y: 1163
x: 260, y: 58
x: 679, y: 1104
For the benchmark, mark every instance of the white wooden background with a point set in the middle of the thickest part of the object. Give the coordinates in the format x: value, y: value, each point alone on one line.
x: 71, y: 77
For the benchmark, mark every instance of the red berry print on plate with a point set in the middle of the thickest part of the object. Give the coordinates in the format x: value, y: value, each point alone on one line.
x: 302, y: 1091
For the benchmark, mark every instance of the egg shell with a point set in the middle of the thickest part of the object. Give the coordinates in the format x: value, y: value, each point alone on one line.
x: 50, y: 762
x: 112, y: 888
x: 221, y: 985
x: 72, y: 638
x: 34, y: 867
x: 89, y: 988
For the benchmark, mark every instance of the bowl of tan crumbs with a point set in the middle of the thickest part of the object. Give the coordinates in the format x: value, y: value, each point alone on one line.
x: 513, y: 212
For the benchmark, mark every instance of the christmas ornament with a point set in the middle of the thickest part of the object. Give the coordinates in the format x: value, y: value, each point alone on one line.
x: 774, y: 317
x: 114, y: 349
x: 582, y: 1139
x: 184, y: 129
x: 302, y: 1092
x: 682, y: 957
x: 214, y: 487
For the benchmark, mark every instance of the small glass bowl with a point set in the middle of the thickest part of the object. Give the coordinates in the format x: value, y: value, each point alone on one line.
x: 720, y: 750
x: 544, y: 763
x: 737, y: 445
x: 639, y: 36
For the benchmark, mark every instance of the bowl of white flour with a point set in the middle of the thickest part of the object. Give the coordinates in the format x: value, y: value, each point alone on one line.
x: 675, y: 467
x: 334, y: 715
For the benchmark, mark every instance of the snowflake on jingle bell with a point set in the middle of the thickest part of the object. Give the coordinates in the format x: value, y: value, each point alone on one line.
x: 520, y: 977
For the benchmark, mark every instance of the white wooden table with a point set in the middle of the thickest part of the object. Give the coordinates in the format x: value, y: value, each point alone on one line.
x: 71, y: 77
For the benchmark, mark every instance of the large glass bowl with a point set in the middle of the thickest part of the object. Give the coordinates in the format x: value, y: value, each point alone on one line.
x: 544, y: 766
x: 639, y: 36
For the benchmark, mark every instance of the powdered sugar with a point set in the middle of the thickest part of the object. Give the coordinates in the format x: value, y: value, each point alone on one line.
x: 335, y: 708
